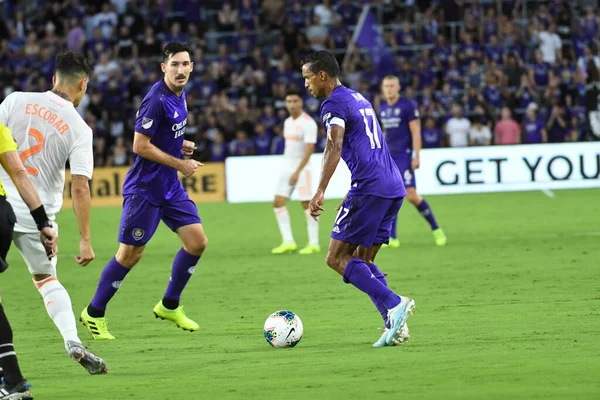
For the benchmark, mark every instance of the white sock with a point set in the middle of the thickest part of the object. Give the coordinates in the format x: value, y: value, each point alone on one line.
x: 285, y: 227
x: 58, y: 306
x: 313, y: 229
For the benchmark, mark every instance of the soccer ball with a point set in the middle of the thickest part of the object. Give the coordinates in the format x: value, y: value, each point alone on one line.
x: 283, y: 329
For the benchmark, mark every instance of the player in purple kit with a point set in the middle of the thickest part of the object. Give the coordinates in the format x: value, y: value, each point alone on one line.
x: 152, y: 192
x: 376, y: 193
x: 400, y: 119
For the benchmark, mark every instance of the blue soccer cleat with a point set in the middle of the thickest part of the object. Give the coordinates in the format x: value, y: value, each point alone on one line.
x: 398, y: 316
x: 403, y: 337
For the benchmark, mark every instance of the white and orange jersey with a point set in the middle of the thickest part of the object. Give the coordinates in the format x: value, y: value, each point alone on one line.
x: 48, y: 131
x: 297, y: 133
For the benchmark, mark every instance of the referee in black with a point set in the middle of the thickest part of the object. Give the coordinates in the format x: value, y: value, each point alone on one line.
x: 14, y: 382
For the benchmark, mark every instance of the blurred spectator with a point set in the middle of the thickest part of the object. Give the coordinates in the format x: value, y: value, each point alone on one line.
x: 218, y: 148
x: 241, y: 146
x: 431, y: 135
x: 227, y: 18
x: 457, y: 129
x: 479, y: 134
x: 557, y: 125
x: 106, y: 20
x: 534, y: 128
x: 262, y: 140
x: 550, y: 44
x: 507, y: 131
x: 120, y: 155
x: 324, y: 13
x: 316, y: 33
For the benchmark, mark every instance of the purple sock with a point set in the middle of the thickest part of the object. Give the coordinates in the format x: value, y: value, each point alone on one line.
x: 183, y: 268
x: 393, y: 234
x: 110, y: 281
x: 359, y: 275
x: 380, y: 307
x: 426, y: 213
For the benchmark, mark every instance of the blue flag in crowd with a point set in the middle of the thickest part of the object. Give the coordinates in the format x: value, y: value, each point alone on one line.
x: 370, y: 37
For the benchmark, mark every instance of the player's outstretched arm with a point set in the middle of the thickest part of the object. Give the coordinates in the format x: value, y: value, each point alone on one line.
x: 144, y: 148
x: 14, y: 168
x: 82, y: 204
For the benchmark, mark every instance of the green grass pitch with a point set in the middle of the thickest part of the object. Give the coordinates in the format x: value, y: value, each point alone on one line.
x: 510, y: 309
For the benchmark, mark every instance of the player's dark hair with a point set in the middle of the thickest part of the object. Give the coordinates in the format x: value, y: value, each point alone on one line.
x: 175, y: 47
x: 293, y: 92
x: 322, y: 60
x: 70, y: 64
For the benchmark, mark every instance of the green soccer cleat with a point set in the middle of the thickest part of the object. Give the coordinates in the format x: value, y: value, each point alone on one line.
x: 440, y: 237
x: 177, y: 316
x: 96, y: 326
x: 394, y: 243
x: 285, y: 247
x: 310, y: 249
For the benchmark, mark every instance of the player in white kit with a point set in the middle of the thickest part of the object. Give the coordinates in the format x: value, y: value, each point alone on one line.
x: 300, y: 134
x: 50, y: 132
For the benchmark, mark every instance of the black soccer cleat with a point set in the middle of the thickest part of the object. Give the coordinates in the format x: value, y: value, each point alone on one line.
x: 20, y: 391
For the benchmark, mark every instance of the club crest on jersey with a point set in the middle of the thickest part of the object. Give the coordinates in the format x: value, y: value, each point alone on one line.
x: 397, y: 111
x: 147, y: 123
x: 138, y: 234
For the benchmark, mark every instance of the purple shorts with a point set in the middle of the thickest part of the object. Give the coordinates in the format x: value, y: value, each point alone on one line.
x: 406, y: 172
x: 366, y: 220
x: 140, y: 218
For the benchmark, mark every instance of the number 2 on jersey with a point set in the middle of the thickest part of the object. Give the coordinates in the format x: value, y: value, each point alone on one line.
x: 35, y: 149
x: 372, y: 134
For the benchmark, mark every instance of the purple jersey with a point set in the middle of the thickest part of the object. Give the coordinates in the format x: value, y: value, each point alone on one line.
x: 163, y: 117
x: 395, y: 120
x: 364, y: 149
x: 533, y: 130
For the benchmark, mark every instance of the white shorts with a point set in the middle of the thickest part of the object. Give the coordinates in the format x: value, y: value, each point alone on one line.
x: 303, y: 185
x: 34, y: 254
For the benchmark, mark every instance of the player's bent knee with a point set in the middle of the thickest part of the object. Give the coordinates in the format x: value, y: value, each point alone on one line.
x: 412, y: 196
x: 128, y: 256
x: 332, y: 261
x: 279, y: 202
x: 197, y: 247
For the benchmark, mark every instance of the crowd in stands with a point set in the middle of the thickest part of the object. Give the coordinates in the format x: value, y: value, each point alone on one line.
x: 482, y: 72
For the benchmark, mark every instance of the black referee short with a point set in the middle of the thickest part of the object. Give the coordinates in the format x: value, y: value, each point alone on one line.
x: 7, y: 223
